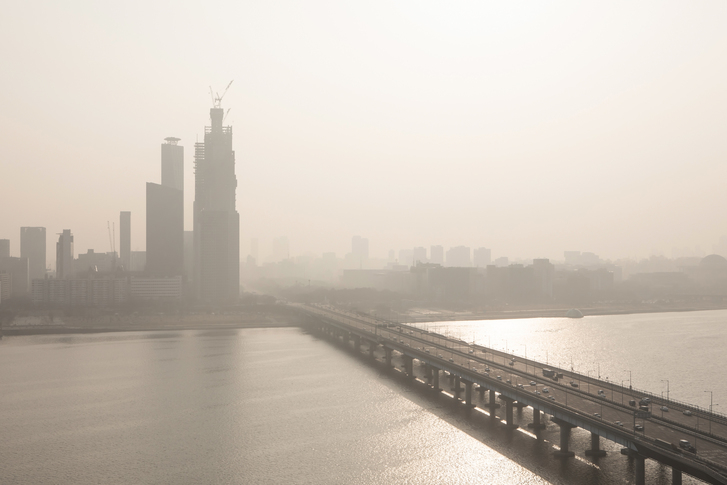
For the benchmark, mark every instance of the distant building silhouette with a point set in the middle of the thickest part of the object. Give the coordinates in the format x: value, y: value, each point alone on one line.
x: 482, y: 257
x: 64, y: 255
x: 4, y: 248
x: 164, y: 231
x: 216, y: 221
x: 360, y: 250
x: 165, y: 215
x: 173, y: 164
x: 125, y: 239
x: 459, y: 256
x: 281, y: 249
x: 19, y: 280
x: 436, y: 255
x: 420, y: 255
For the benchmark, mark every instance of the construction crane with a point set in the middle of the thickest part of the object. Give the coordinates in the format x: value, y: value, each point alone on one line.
x: 216, y: 98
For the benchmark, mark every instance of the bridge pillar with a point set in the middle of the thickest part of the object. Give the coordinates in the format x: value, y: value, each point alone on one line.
x: 676, y: 476
x: 481, y: 390
x: 456, y: 387
x: 428, y: 372
x: 387, y: 351
x: 493, y: 404
x: 509, y: 422
x: 468, y: 393
x: 357, y: 343
x: 409, y: 366
x: 536, y: 424
x: 372, y: 347
x: 639, y: 470
x: 564, y: 438
x: 435, y: 379
x: 595, y: 446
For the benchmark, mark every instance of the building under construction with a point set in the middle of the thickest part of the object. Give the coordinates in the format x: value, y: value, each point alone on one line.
x: 216, y: 221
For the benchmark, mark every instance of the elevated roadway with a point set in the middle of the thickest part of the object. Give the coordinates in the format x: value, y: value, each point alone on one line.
x: 604, y: 408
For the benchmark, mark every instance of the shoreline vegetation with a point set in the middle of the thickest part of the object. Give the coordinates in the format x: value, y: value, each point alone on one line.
x: 283, y: 316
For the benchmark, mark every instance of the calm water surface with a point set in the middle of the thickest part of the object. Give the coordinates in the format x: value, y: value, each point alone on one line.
x: 281, y: 406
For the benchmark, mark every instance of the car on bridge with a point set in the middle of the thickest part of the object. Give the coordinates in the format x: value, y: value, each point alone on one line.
x: 639, y: 427
x: 686, y: 445
x: 687, y: 412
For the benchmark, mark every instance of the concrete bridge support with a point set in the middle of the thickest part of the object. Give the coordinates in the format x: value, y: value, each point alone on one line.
x: 564, y: 439
x: 456, y: 387
x: 493, y: 404
x: 509, y: 421
x: 595, y: 446
x: 676, y: 476
x: 435, y: 379
x: 357, y: 343
x: 481, y: 390
x: 639, y: 469
x: 409, y: 366
x: 372, y: 348
x: 536, y: 424
x: 468, y: 393
x: 388, y: 351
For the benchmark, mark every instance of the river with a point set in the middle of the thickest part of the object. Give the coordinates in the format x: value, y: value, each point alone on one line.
x: 282, y: 406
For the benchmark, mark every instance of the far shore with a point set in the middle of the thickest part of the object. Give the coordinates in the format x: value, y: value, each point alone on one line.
x: 169, y: 323
x: 549, y: 313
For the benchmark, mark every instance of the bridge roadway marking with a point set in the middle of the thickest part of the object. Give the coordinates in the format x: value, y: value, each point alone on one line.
x: 578, y: 400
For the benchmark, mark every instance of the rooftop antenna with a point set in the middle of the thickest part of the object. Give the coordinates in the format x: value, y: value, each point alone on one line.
x: 226, y: 113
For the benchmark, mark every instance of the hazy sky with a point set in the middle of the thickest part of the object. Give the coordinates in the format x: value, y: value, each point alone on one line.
x: 526, y: 127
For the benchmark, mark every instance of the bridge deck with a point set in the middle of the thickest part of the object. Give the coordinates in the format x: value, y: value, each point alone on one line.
x: 587, y: 402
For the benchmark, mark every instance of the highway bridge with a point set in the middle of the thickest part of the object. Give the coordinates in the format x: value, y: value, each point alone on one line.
x: 687, y: 438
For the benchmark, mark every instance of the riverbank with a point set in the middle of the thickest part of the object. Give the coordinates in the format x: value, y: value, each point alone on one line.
x: 42, y: 325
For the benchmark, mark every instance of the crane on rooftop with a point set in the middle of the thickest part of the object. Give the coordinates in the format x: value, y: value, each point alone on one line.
x: 216, y: 98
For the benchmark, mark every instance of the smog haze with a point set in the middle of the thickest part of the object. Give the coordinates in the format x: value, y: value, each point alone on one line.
x: 529, y: 128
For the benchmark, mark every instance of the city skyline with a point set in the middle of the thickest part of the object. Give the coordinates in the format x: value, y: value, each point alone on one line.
x: 616, y: 147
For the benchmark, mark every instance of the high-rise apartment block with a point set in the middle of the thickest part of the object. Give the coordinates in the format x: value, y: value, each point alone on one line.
x: 216, y: 221
x: 64, y: 255
x: 125, y: 239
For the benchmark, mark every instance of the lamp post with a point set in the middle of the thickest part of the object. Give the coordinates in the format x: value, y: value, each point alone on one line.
x: 526, y: 357
x: 622, y: 392
x: 667, y: 388
x: 710, y: 411
x: 626, y: 370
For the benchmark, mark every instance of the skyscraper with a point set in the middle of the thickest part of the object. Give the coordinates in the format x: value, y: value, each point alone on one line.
x: 165, y: 215
x: 32, y: 246
x: 216, y: 221
x: 172, y: 164
x: 125, y: 239
x: 64, y: 255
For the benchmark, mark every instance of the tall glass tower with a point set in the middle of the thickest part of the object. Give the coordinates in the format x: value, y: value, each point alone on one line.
x: 216, y: 221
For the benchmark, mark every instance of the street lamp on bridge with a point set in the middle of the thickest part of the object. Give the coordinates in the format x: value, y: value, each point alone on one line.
x: 626, y: 370
x: 667, y: 388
